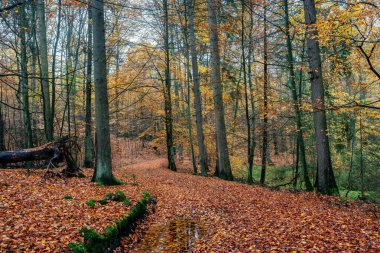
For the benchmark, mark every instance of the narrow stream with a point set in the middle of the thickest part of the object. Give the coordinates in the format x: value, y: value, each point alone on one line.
x: 179, y: 235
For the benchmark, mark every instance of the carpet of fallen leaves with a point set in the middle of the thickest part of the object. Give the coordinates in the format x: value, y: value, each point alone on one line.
x: 244, y: 218
x: 233, y: 217
x: 35, y: 216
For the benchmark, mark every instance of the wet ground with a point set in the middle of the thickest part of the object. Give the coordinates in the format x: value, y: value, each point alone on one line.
x: 179, y: 235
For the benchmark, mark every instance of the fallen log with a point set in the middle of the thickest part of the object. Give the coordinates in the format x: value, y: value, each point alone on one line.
x: 54, y: 152
x: 26, y: 155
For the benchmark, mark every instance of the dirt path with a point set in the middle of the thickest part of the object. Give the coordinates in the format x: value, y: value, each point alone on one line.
x: 224, y: 216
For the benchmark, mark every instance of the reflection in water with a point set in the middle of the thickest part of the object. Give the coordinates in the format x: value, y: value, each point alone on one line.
x: 179, y: 235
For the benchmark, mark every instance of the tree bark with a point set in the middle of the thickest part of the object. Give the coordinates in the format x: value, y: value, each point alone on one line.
x: 54, y: 61
x: 167, y: 94
x: 203, y: 160
x: 301, y: 152
x: 44, y: 70
x: 223, y: 156
x: 250, y: 55
x: 89, y: 149
x: 265, y: 91
x: 325, y: 180
x: 24, y: 78
x: 103, y: 172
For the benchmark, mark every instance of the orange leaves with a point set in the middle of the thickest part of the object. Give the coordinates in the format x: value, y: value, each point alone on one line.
x: 36, y: 217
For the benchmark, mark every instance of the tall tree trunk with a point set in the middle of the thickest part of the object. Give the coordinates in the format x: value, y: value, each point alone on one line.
x: 264, y: 156
x: 301, y: 152
x: 44, y: 70
x: 2, y: 127
x: 250, y: 55
x: 203, y: 161
x: 103, y: 172
x: 325, y: 181
x: 24, y: 78
x: 223, y: 156
x: 167, y: 94
x: 247, y: 115
x: 89, y: 149
x: 188, y: 80
x: 54, y: 61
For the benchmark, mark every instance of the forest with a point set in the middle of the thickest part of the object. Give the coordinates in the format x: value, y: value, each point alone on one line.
x: 189, y: 126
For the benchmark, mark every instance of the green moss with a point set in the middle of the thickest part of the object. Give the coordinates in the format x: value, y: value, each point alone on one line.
x: 77, y: 247
x: 116, y: 196
x: 103, y: 201
x: 99, y: 243
x: 91, y: 202
x: 67, y: 197
x: 127, y: 202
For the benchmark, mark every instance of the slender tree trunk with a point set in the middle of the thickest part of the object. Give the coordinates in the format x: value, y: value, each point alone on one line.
x: 361, y: 158
x: 89, y: 149
x: 223, y: 156
x: 301, y: 153
x: 188, y: 80
x: 325, y: 181
x: 265, y: 122
x: 44, y: 70
x: 203, y: 161
x: 2, y: 127
x: 103, y: 172
x: 250, y: 54
x: 247, y: 115
x: 54, y: 61
x: 24, y: 78
x: 167, y: 94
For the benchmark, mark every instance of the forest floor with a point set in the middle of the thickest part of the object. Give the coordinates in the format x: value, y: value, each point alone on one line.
x: 193, y: 213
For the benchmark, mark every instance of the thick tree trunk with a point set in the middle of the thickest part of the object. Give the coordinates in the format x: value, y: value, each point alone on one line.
x: 89, y: 149
x: 325, y: 181
x: 44, y: 70
x: 167, y: 95
x: 301, y: 152
x: 264, y: 156
x: 223, y: 156
x: 103, y: 172
x: 203, y: 161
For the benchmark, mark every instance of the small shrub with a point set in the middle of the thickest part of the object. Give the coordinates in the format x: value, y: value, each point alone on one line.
x: 91, y: 202
x: 100, y: 184
x: 68, y: 197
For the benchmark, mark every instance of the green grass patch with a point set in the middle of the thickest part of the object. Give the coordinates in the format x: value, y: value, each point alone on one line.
x: 95, y: 242
x: 91, y: 202
x: 68, y: 197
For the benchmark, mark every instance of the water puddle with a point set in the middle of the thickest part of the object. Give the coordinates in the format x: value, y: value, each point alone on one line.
x: 179, y: 235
